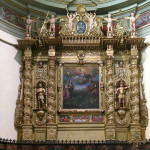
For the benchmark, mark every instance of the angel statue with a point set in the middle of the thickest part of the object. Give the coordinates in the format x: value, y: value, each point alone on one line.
x: 132, y: 21
x: 91, y: 18
x: 71, y: 17
x: 29, y: 22
x: 109, y: 22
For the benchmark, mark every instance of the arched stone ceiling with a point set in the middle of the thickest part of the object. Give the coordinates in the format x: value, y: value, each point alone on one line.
x: 59, y: 6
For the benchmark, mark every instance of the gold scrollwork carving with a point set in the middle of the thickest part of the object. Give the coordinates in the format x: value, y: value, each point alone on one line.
x: 27, y: 134
x: 110, y: 134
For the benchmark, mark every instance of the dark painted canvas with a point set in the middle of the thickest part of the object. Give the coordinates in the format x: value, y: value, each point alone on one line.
x: 81, y: 87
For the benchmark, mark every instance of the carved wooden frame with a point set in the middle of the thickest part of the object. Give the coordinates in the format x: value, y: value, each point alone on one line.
x: 60, y: 90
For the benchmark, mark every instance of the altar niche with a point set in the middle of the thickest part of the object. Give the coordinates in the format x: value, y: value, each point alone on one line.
x: 80, y: 87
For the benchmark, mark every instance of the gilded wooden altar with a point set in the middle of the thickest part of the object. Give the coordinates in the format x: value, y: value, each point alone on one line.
x: 105, y: 68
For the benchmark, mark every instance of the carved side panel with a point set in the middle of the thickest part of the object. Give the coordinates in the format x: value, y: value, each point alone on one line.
x: 19, y: 104
x: 143, y: 107
x: 144, y: 110
x: 110, y: 134
x: 135, y: 134
x: 27, y: 134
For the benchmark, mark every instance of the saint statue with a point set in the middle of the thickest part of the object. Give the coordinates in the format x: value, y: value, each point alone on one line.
x: 29, y: 22
x: 40, y: 96
x: 110, y: 22
x: 52, y: 23
x: 91, y: 18
x: 132, y: 21
x: 121, y: 94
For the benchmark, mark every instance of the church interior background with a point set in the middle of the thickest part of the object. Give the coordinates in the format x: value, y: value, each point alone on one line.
x: 77, y: 72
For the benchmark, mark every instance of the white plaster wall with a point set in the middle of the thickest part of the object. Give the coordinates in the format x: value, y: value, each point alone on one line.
x: 10, y: 62
x: 9, y: 82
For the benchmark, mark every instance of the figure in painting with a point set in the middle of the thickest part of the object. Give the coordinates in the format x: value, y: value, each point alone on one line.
x: 110, y: 22
x: 80, y: 73
x: 40, y: 92
x: 121, y: 94
x: 91, y: 18
x: 71, y: 17
x: 68, y: 90
x: 93, y: 91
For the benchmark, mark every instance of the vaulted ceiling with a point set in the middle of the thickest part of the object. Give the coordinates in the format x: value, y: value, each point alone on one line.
x: 59, y: 6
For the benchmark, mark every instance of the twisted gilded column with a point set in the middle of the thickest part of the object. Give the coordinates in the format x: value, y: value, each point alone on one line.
x: 51, y: 101
x: 135, y: 132
x: 27, y: 127
x: 110, y: 127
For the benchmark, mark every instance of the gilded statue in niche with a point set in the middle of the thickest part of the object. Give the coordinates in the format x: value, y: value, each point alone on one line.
x: 41, y: 95
x: 120, y: 92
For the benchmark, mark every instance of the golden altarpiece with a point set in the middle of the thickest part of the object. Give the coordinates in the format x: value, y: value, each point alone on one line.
x: 82, y: 84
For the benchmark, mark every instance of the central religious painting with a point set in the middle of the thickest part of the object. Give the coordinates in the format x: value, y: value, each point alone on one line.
x: 81, y: 87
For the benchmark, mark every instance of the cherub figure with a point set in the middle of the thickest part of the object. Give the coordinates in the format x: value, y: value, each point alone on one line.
x: 91, y: 18
x: 71, y: 17
x: 109, y: 22
x: 29, y: 22
x: 121, y: 94
x: 132, y: 21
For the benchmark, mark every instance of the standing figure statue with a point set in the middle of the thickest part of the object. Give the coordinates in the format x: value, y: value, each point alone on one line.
x: 132, y: 22
x: 52, y: 24
x: 70, y: 19
x: 110, y: 22
x: 91, y: 18
x: 40, y: 96
x: 29, y: 22
x: 121, y: 94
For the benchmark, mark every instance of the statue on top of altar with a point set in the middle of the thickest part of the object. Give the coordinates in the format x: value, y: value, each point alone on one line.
x: 80, y: 23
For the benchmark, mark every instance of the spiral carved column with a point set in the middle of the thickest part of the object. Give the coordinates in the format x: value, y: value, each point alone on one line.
x: 135, y: 133
x: 110, y: 127
x: 51, y: 101
x: 27, y: 127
